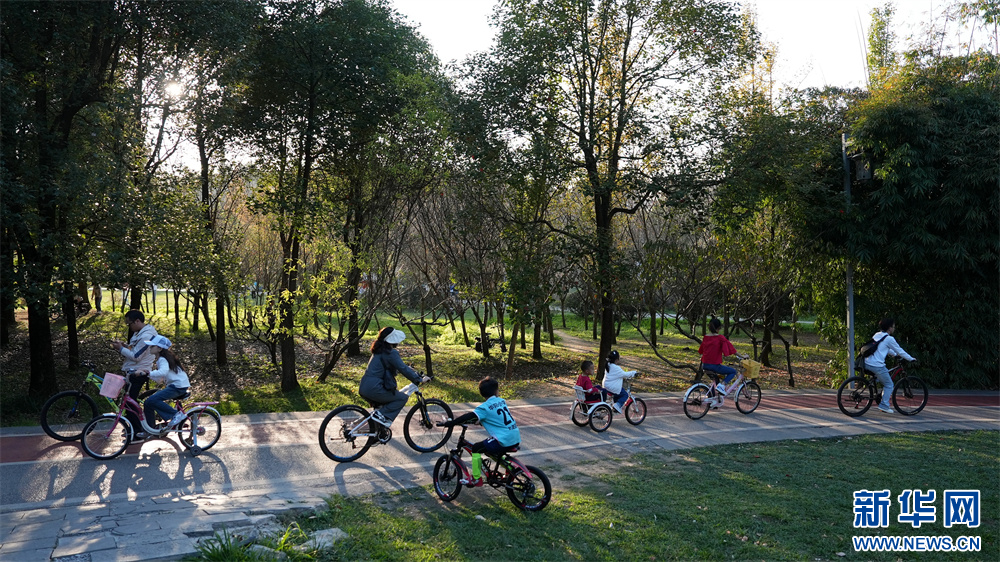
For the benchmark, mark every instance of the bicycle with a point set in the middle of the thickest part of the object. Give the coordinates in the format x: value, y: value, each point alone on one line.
x: 349, y: 431
x: 856, y: 395
x: 598, y: 414
x: 65, y: 413
x: 527, y: 486
x: 108, y: 435
x: 745, y: 392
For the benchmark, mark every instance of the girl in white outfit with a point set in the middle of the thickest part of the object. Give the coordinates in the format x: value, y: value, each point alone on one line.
x: 169, y: 372
x: 613, y: 377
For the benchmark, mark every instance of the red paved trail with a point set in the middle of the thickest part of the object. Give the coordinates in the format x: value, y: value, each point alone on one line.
x: 38, y: 446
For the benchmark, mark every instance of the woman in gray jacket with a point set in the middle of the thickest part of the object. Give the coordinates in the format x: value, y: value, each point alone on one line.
x: 378, y: 384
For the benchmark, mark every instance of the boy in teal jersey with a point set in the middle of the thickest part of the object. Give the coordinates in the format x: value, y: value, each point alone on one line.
x: 495, y: 418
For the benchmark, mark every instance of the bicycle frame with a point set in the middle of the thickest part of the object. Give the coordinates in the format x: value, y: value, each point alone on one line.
x: 734, y: 386
x: 608, y: 399
x: 131, y: 405
x: 491, y: 474
x: 361, y: 428
x: 96, y: 380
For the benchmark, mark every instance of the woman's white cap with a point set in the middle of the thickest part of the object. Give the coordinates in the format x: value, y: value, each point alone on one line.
x: 160, y: 341
x: 395, y: 337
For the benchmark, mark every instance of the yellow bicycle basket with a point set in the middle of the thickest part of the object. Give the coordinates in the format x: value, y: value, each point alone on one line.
x: 752, y: 368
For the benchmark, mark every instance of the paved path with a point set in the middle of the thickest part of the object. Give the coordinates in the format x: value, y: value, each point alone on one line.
x: 156, y: 501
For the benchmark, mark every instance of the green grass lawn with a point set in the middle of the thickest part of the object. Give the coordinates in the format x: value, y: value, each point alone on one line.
x: 789, y: 500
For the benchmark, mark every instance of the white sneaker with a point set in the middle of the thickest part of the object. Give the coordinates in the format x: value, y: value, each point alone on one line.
x: 618, y: 408
x: 721, y: 388
x: 378, y: 417
x: 178, y: 418
x: 885, y: 410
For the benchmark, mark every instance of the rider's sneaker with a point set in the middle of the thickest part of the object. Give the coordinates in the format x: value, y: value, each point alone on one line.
x: 377, y: 416
x: 474, y: 483
x: 178, y: 418
x: 618, y: 408
x: 885, y: 410
x: 721, y: 388
x: 140, y: 436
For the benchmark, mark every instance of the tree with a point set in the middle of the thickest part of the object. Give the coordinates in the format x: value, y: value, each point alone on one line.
x: 881, y: 57
x: 59, y: 58
x: 601, y: 72
x: 330, y: 80
x: 924, y: 229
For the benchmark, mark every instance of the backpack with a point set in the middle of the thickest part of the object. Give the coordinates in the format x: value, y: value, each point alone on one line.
x: 868, y: 350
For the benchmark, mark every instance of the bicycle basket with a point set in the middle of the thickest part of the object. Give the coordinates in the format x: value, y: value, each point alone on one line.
x: 112, y: 385
x: 752, y: 367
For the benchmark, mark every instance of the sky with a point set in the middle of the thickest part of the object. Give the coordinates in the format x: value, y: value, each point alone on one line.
x: 820, y: 42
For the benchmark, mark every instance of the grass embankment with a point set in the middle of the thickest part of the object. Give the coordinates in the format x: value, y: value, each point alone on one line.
x: 790, y: 500
x: 250, y: 383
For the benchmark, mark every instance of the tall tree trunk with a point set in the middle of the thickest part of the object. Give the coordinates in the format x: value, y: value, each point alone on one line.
x: 427, y: 353
x: 8, y: 314
x: 72, y: 337
x: 203, y: 304
x: 549, y: 327
x: 465, y: 332
x: 177, y: 307
x: 42, y: 382
x: 286, y: 310
x: 135, y: 296
x: 510, y: 351
x: 652, y: 325
x: 536, y: 344
x: 795, y: 320
x: 765, y: 350
x: 221, y: 358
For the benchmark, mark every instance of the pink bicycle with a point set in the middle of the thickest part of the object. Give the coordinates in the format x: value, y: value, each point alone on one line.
x: 108, y: 435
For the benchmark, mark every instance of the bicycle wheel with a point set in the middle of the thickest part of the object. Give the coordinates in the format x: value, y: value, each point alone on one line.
x: 201, y: 429
x: 529, y: 494
x: 579, y: 415
x: 106, y: 437
x: 748, y: 397
x: 696, y: 401
x: 447, y: 477
x: 66, y: 414
x: 420, y: 427
x: 635, y: 412
x: 343, y: 437
x: 600, y: 418
x: 855, y: 401
x: 909, y: 396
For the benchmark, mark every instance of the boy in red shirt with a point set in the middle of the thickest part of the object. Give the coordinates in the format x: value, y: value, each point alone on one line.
x: 713, y: 347
x: 593, y: 392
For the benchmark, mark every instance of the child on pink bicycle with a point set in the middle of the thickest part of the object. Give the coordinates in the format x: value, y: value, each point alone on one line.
x: 495, y: 418
x: 713, y: 347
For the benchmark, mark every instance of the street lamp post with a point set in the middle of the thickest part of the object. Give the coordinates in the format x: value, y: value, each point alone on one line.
x: 850, y: 263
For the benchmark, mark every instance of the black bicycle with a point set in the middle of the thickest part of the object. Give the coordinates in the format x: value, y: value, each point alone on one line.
x: 527, y: 486
x: 349, y: 431
x: 857, y: 394
x: 65, y: 413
